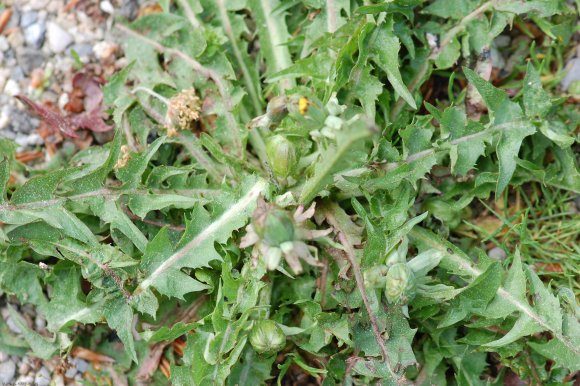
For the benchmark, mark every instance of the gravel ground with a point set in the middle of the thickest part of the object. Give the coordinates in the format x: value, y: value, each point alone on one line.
x: 37, y: 41
x: 36, y: 55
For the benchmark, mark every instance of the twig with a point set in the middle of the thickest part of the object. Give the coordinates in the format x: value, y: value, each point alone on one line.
x: 203, y: 71
x: 360, y: 285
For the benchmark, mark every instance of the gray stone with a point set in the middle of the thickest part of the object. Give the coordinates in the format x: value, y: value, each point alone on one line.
x: 71, y: 372
x: 34, y: 34
x: 497, y: 253
x: 12, y: 88
x: 30, y: 60
x: 17, y: 74
x: 25, y: 380
x: 84, y: 51
x: 4, y: 46
x: 42, y: 377
x: 39, y: 4
x: 107, y: 7
x: 28, y: 18
x: 81, y: 365
x: 12, y: 326
x: 21, y: 121
x: 572, y: 70
x: 58, y: 38
x: 7, y: 371
x: 58, y: 380
x: 24, y: 366
x: 3, y: 356
x: 129, y: 9
x: 39, y: 323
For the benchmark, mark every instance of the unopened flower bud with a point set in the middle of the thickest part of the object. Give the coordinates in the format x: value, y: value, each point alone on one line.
x: 281, y: 155
x: 266, y: 337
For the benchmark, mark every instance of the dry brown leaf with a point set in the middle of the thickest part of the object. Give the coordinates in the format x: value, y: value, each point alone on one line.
x: 89, y: 355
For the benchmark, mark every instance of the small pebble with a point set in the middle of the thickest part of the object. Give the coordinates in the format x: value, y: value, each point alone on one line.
x: 497, y: 253
x: 7, y: 372
x: 9, y: 321
x: 30, y: 59
x: 34, y: 34
x: 25, y: 380
x: 572, y: 70
x: 39, y: 323
x: 81, y: 365
x: 4, y: 46
x: 14, y: 20
x: 24, y: 366
x: 42, y: 377
x: 58, y: 38
x: 38, y: 4
x: 28, y: 18
x: 15, y: 39
x: 17, y: 74
x: 71, y: 372
x: 58, y: 380
x: 107, y: 7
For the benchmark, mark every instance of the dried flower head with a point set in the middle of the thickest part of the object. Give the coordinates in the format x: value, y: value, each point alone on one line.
x: 124, y: 158
x: 275, y: 233
x: 184, y: 109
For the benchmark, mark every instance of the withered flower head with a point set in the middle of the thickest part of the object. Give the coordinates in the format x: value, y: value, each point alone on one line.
x: 184, y: 109
x: 275, y: 233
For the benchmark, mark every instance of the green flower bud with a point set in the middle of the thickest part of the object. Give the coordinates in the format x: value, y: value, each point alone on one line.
x: 400, y: 283
x: 267, y: 337
x: 281, y: 155
x: 274, y: 226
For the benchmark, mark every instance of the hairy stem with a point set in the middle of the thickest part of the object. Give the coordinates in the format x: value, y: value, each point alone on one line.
x: 360, y: 285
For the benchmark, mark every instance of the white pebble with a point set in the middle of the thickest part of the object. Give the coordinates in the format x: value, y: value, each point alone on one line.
x: 497, y: 253
x: 12, y: 326
x: 58, y: 38
x: 42, y: 378
x: 107, y: 7
x: 7, y: 372
x: 4, y: 46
